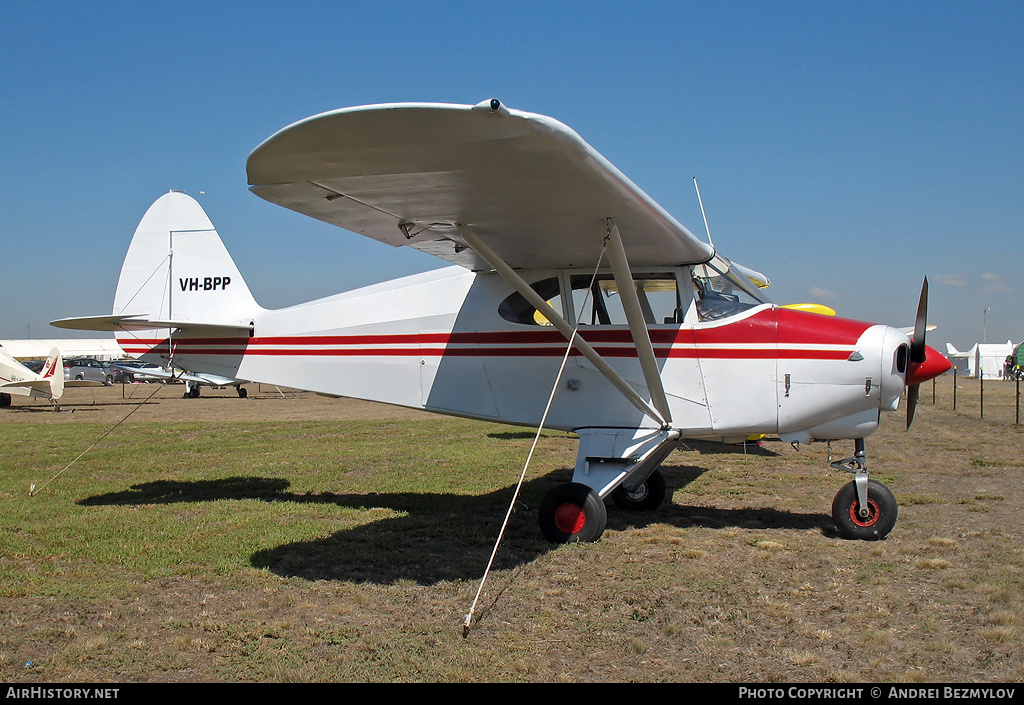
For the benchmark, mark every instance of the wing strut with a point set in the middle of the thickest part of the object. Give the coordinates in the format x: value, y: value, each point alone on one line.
x: 520, y: 285
x: 635, y: 319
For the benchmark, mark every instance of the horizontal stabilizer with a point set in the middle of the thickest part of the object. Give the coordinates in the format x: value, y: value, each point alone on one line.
x: 142, y: 322
x: 40, y: 385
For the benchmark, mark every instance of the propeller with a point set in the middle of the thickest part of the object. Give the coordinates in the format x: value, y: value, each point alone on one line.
x: 918, y: 353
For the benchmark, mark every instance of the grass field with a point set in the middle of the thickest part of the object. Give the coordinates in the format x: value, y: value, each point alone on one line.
x: 288, y: 537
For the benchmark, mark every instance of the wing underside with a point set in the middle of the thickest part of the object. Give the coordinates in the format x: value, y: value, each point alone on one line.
x: 408, y: 174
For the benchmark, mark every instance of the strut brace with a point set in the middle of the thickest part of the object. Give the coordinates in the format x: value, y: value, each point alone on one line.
x: 538, y: 302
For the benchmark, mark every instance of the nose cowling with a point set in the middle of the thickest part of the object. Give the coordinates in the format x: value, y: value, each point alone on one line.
x: 933, y: 365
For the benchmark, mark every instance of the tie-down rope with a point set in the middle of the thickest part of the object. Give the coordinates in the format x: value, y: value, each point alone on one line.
x: 540, y: 428
x: 33, y: 490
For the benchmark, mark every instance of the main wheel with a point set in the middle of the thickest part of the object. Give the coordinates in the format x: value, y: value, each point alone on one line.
x: 648, y: 495
x: 881, y: 515
x: 242, y: 393
x: 5, y: 400
x: 572, y: 513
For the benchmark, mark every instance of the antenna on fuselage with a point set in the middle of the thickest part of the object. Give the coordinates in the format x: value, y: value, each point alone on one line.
x: 701, y: 202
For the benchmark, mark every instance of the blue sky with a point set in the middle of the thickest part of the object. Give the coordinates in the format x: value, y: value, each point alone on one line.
x: 845, y: 149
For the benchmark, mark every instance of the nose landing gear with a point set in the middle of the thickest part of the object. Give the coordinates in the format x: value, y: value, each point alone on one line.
x: 863, y: 509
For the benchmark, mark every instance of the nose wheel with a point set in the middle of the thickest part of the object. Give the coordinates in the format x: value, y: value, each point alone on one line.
x: 871, y: 521
x: 863, y: 509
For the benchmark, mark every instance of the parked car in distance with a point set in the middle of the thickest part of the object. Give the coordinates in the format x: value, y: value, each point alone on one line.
x: 86, y: 368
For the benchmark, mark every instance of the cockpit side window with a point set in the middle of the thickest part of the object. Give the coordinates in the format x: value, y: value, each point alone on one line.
x: 600, y: 304
x: 658, y: 293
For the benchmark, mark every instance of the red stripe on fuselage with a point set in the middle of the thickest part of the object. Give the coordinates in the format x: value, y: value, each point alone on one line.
x: 765, y: 335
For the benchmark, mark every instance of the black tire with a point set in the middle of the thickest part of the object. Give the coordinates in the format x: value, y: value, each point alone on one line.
x: 242, y: 393
x: 5, y: 400
x: 647, y: 496
x: 572, y: 513
x: 882, y: 512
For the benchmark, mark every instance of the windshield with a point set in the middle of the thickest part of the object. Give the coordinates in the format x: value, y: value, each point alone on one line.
x: 721, y: 289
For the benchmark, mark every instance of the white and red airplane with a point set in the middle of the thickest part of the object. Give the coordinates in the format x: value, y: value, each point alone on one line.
x: 193, y: 381
x: 17, y: 379
x: 551, y: 244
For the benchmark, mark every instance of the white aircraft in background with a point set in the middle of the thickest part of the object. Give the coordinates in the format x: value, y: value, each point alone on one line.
x: 193, y: 380
x: 17, y: 379
x: 553, y: 247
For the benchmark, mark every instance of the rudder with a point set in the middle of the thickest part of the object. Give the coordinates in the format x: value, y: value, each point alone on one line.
x: 53, y: 372
x: 177, y: 268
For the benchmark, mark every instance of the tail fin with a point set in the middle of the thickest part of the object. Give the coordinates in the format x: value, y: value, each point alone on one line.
x: 15, y: 378
x: 950, y: 350
x: 53, y: 372
x: 177, y: 269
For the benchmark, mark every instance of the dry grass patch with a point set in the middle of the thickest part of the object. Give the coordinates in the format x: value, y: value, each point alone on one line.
x: 932, y: 563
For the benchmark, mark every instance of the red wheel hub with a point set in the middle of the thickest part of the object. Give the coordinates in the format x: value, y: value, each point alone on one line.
x: 873, y: 513
x: 570, y: 518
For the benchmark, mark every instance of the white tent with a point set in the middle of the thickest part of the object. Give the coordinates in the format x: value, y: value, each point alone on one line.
x: 38, y: 349
x: 984, y: 360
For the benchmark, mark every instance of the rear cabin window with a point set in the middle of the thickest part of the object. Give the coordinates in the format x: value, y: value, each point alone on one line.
x: 517, y: 309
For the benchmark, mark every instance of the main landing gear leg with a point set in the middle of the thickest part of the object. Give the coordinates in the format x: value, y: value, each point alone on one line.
x: 863, y: 509
x: 621, y: 462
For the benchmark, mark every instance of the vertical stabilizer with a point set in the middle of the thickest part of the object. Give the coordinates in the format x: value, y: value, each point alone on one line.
x: 53, y: 372
x: 177, y: 269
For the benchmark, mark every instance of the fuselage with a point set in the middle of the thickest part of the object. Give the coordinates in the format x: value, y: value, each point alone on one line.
x: 17, y: 379
x: 464, y: 343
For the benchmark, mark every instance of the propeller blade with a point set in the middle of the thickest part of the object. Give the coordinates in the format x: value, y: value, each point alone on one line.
x: 917, y: 353
x: 913, y: 391
x: 917, y: 350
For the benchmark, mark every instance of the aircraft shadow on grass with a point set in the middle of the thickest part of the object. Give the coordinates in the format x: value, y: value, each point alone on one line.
x: 437, y: 537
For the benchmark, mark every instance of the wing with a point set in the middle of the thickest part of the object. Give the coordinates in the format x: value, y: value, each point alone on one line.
x: 146, y: 373
x: 45, y: 388
x: 182, y: 376
x: 213, y: 380
x: 407, y: 173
